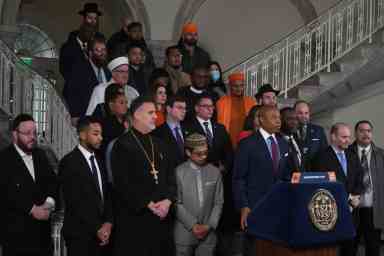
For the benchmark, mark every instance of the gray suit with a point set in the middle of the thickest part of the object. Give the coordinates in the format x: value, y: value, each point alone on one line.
x: 197, y: 206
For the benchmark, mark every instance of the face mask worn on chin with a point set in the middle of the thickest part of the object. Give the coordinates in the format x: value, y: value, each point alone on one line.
x: 215, y: 75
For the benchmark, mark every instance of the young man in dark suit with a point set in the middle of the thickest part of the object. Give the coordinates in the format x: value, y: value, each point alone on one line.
x: 172, y: 131
x: 28, y: 190
x: 261, y: 160
x: 311, y: 137
x: 87, y: 194
x: 347, y: 168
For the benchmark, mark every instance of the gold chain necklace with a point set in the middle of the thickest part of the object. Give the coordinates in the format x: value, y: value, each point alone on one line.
x: 153, y: 170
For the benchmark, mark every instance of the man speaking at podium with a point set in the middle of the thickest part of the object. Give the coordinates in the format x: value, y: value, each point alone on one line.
x: 261, y: 160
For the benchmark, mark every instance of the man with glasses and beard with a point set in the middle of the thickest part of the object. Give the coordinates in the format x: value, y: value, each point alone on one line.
x: 144, y: 187
x: 193, y: 55
x: 84, y: 77
x: 28, y: 190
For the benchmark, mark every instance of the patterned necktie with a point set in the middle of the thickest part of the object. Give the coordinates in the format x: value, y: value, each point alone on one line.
x: 94, y: 174
x: 179, y: 139
x: 208, y: 133
x: 343, y: 161
x: 303, y: 132
x: 364, y: 164
x: 274, y: 154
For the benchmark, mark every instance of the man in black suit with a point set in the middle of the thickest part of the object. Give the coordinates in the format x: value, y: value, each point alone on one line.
x: 311, y: 137
x: 28, y: 190
x: 87, y: 195
x: 262, y: 159
x: 347, y: 168
x: 86, y: 74
x: 220, y: 154
x: 76, y: 46
x: 172, y: 132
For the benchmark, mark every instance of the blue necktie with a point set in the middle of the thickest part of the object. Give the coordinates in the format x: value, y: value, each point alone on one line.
x: 99, y: 75
x: 343, y: 161
x: 179, y: 139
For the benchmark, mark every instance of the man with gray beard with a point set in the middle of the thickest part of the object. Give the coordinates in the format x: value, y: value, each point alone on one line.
x: 144, y: 187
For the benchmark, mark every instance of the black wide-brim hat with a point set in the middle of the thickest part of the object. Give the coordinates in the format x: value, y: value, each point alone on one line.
x: 266, y: 88
x: 90, y: 7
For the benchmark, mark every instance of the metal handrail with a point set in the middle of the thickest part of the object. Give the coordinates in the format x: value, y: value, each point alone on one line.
x: 313, y: 47
x: 22, y: 90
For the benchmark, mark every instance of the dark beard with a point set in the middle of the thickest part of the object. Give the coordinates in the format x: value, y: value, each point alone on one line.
x: 191, y: 42
x: 99, y: 62
x: 25, y: 149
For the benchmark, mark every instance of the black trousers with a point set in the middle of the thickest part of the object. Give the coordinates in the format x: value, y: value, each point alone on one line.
x: 10, y: 251
x: 367, y: 232
x: 81, y: 247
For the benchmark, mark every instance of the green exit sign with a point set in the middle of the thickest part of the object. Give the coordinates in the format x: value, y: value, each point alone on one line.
x: 27, y: 60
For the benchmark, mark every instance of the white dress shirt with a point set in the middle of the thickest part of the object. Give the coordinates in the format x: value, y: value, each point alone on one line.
x: 202, y: 121
x: 28, y: 161
x: 266, y: 136
x: 96, y: 70
x: 87, y: 155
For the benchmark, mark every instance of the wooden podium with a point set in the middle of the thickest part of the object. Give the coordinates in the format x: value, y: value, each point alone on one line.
x: 301, y: 220
x: 270, y: 248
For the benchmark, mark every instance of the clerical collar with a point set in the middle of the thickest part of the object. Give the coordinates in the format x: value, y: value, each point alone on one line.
x: 195, y: 90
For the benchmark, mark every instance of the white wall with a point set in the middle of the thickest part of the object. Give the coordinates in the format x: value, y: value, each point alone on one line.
x: 233, y: 30
x: 364, y: 105
x: 162, y: 15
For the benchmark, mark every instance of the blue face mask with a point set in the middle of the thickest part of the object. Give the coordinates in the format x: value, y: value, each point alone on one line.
x: 215, y: 75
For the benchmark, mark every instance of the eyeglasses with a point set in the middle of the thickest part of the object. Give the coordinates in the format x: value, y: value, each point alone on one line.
x: 180, y: 107
x: 28, y: 134
x: 207, y: 106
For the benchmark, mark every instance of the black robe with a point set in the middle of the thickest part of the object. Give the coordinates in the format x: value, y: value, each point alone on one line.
x: 137, y: 231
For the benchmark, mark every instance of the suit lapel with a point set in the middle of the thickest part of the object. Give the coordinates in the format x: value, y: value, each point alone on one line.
x: 22, y: 167
x: 84, y: 167
x: 339, y: 172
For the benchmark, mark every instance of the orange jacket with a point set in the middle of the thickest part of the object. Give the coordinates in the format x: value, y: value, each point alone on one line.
x: 223, y: 106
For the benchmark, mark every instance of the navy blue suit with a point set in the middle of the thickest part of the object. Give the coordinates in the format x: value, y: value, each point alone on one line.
x: 253, y: 170
x: 315, y: 141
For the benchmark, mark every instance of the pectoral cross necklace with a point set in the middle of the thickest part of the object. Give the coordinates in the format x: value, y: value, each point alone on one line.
x: 153, y: 170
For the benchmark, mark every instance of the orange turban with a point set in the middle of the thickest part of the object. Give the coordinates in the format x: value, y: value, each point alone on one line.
x: 236, y: 77
x: 190, y: 28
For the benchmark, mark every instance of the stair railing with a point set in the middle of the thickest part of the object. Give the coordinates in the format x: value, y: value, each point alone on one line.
x: 313, y: 47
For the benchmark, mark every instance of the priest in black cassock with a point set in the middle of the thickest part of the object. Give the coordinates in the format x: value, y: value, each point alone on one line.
x: 144, y: 186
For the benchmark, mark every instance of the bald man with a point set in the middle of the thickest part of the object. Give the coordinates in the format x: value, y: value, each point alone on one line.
x: 347, y: 167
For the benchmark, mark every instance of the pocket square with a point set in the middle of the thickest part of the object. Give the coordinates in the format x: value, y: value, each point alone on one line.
x: 286, y: 154
x: 315, y: 139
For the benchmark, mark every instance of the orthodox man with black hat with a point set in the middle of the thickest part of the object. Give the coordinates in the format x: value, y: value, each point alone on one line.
x: 144, y: 187
x: 199, y: 200
x: 267, y: 95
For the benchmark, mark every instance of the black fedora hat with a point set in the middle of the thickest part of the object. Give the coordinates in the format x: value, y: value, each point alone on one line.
x: 266, y: 88
x: 90, y: 7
